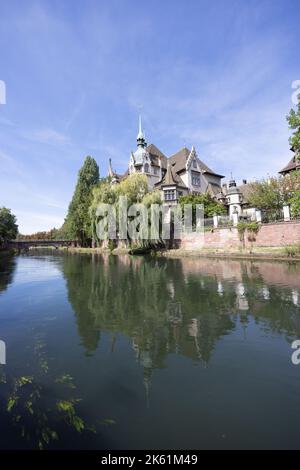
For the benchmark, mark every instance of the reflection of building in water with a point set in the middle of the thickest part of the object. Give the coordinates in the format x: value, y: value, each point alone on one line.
x: 171, y: 288
x: 145, y: 360
x: 241, y: 299
x: 295, y: 297
x: 174, y: 313
x: 193, y: 330
x: 265, y: 293
x: 174, y: 318
x: 220, y: 288
x: 177, y: 306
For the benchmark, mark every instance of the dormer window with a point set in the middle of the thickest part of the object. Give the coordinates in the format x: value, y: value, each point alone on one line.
x: 194, y: 164
x: 195, y: 178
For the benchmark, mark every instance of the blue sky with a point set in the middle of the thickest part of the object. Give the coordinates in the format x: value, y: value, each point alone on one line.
x: 214, y: 74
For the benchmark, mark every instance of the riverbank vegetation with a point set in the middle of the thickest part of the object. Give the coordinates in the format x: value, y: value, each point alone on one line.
x: 8, y: 226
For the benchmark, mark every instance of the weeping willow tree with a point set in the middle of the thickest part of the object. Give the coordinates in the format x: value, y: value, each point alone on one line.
x: 134, y: 188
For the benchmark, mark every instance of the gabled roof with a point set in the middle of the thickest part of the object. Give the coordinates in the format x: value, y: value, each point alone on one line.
x: 294, y: 164
x: 213, y: 189
x: 155, y: 155
x: 179, y: 160
x: 171, y: 178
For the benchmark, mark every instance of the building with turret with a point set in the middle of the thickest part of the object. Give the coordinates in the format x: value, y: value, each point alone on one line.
x: 177, y: 175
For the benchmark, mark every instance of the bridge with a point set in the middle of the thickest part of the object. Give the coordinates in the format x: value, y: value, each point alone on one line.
x: 26, y: 244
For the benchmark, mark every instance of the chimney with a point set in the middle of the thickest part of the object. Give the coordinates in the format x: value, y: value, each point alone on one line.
x: 244, y: 181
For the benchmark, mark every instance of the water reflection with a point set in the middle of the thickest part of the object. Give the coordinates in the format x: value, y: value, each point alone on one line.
x: 178, y: 306
x: 7, y: 269
x: 200, y: 342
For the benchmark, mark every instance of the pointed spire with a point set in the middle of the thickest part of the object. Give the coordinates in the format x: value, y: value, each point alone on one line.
x: 110, y: 170
x: 232, y: 182
x: 140, y: 126
x: 141, y: 141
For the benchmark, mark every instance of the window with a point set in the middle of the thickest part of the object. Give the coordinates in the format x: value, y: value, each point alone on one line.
x: 195, y: 178
x: 156, y: 170
x: 194, y: 163
x: 170, y: 195
x: 146, y: 168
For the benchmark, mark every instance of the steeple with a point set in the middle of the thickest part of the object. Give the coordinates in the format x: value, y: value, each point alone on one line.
x: 232, y: 182
x: 141, y: 141
x: 110, y: 170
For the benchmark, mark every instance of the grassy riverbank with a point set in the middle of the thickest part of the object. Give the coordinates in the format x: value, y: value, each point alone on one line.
x: 279, y: 253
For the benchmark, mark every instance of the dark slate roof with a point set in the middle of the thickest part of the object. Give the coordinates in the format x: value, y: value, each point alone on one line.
x: 170, y: 178
x: 155, y: 155
x: 214, y: 189
x: 179, y: 160
x: 294, y: 164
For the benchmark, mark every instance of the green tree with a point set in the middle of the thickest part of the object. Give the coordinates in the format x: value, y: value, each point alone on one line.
x: 134, y: 187
x: 293, y: 119
x: 211, y: 206
x: 295, y: 204
x: 271, y: 194
x: 78, y: 221
x: 266, y: 195
x: 8, y: 225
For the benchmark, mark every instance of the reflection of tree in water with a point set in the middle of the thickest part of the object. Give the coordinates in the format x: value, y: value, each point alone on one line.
x: 7, y: 268
x: 39, y: 416
x: 165, y: 310
x: 273, y: 307
x: 151, y: 302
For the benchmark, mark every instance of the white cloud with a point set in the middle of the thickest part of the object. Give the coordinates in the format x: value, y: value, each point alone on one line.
x: 47, y: 136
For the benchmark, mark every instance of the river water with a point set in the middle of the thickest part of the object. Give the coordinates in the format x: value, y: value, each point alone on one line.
x: 119, y: 352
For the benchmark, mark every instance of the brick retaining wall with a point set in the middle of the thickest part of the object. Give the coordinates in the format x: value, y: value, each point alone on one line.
x: 269, y: 235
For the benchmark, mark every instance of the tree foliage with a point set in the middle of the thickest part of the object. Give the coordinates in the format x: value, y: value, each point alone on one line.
x: 271, y: 194
x: 293, y: 119
x: 8, y: 225
x: 295, y: 204
x: 53, y: 234
x: 78, y: 221
x: 211, y: 206
x: 134, y: 187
